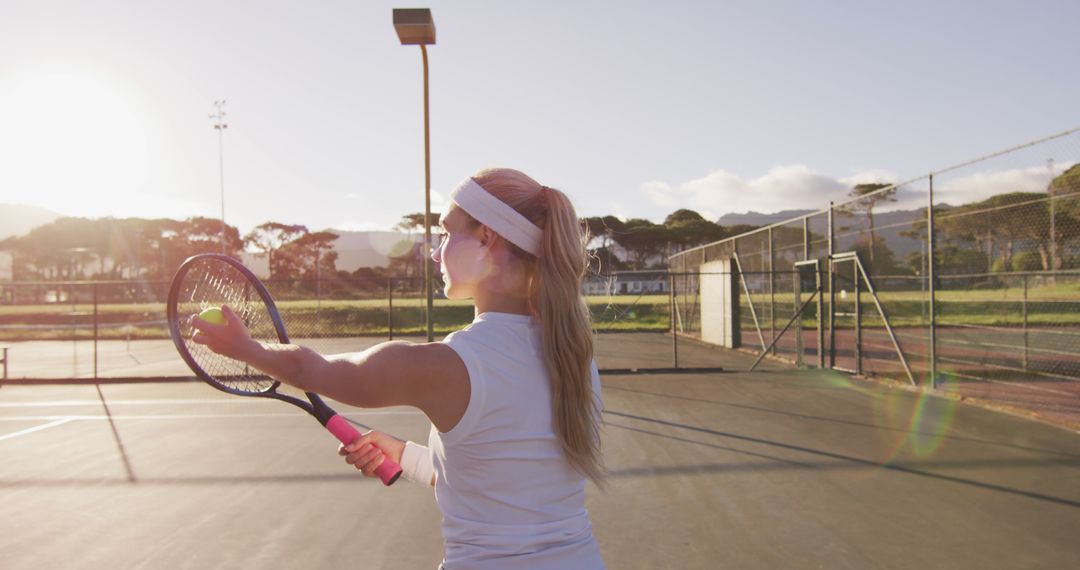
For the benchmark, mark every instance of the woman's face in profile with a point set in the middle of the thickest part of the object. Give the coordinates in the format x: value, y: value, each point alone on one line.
x: 465, y: 261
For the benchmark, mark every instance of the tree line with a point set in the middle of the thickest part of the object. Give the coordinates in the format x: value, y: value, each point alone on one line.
x: 1012, y: 231
x: 1007, y: 232
x: 70, y: 249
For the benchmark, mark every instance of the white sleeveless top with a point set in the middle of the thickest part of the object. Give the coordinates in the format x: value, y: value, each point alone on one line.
x: 509, y: 497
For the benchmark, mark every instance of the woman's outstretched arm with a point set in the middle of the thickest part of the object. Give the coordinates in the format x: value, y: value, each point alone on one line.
x: 429, y: 376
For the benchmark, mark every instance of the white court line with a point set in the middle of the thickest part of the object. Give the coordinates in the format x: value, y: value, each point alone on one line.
x: 158, y: 402
x: 60, y: 403
x: 296, y: 414
x: 58, y: 422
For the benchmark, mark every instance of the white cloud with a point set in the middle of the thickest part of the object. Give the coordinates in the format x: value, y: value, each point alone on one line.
x: 785, y: 187
x: 659, y: 193
x: 981, y: 185
x: 618, y: 209
x: 872, y: 176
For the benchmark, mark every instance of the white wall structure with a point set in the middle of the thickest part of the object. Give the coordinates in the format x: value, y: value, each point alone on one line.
x: 719, y: 304
x: 6, y: 263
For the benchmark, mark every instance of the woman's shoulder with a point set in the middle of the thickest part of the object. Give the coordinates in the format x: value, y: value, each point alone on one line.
x: 433, y: 377
x: 494, y: 328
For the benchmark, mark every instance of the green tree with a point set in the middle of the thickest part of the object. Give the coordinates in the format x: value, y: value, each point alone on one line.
x: 407, y: 257
x: 737, y: 229
x: 111, y: 248
x: 603, y: 228
x: 203, y: 235
x: 603, y: 261
x: 309, y: 256
x: 413, y: 222
x: 1067, y: 183
x: 1002, y: 223
x: 370, y: 279
x: 869, y: 196
x: 1064, y: 191
x: 642, y: 240
x: 268, y: 238
x: 687, y: 228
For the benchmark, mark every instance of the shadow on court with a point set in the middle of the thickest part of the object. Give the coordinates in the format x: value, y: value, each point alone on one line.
x: 773, y: 469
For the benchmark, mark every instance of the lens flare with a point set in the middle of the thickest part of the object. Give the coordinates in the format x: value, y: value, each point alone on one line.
x: 907, y: 429
x: 917, y: 430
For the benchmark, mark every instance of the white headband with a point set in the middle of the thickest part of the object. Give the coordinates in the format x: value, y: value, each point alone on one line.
x: 497, y: 215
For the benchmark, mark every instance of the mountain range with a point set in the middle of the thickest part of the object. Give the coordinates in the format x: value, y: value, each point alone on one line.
x: 19, y: 219
x: 759, y: 219
x: 373, y: 248
x: 355, y: 249
x: 889, y: 227
x: 370, y: 249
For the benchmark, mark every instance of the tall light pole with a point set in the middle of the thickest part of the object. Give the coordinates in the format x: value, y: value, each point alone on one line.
x: 415, y: 27
x: 220, y: 126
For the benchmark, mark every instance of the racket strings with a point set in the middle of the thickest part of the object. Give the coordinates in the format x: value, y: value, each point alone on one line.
x: 211, y: 284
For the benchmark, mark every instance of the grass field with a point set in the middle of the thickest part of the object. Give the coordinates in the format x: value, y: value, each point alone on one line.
x: 1044, y: 306
x: 128, y: 308
x: 333, y: 317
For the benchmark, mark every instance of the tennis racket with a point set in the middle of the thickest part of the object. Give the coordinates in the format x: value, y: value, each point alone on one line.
x: 212, y: 280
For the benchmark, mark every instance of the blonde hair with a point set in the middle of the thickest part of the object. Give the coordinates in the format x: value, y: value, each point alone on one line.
x: 555, y: 296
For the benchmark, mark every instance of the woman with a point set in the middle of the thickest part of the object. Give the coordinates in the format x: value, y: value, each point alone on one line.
x: 513, y: 398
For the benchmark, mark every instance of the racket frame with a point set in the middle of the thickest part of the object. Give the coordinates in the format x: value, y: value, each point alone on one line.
x: 314, y: 406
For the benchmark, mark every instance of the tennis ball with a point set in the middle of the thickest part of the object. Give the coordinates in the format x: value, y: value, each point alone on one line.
x: 213, y: 315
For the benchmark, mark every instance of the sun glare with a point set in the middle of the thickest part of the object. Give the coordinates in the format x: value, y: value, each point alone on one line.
x: 73, y: 141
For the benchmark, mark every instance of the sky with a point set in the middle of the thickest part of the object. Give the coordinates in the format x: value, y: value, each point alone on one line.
x: 632, y: 108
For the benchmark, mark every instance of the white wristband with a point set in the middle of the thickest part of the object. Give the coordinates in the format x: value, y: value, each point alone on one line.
x: 416, y: 464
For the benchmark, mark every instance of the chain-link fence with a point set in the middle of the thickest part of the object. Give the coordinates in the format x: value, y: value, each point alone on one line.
x: 109, y: 327
x: 1007, y: 253
x: 966, y: 279
x: 112, y: 329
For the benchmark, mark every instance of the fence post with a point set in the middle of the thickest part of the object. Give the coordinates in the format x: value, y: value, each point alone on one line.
x: 931, y: 276
x: 798, y: 288
x: 390, y: 309
x: 74, y: 329
x: 1053, y: 227
x: 671, y: 320
x: 858, y: 320
x: 1024, y: 311
x: 318, y: 293
x: 805, y: 238
x: 772, y: 292
x: 799, y: 348
x: 832, y: 292
x: 820, y: 315
x: 95, y: 296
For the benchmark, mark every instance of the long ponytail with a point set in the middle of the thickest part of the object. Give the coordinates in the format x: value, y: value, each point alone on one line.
x: 555, y: 295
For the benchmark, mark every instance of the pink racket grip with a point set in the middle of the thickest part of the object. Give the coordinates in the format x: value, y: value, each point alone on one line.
x: 388, y: 471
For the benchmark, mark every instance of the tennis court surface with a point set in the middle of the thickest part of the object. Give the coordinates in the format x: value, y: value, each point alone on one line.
x: 778, y: 468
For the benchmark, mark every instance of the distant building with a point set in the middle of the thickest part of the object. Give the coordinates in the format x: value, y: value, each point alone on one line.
x: 354, y: 250
x: 371, y: 249
x: 627, y: 283
x: 7, y: 262
x: 258, y: 263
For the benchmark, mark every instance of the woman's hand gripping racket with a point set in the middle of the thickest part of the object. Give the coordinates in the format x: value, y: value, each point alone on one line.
x: 213, y: 280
